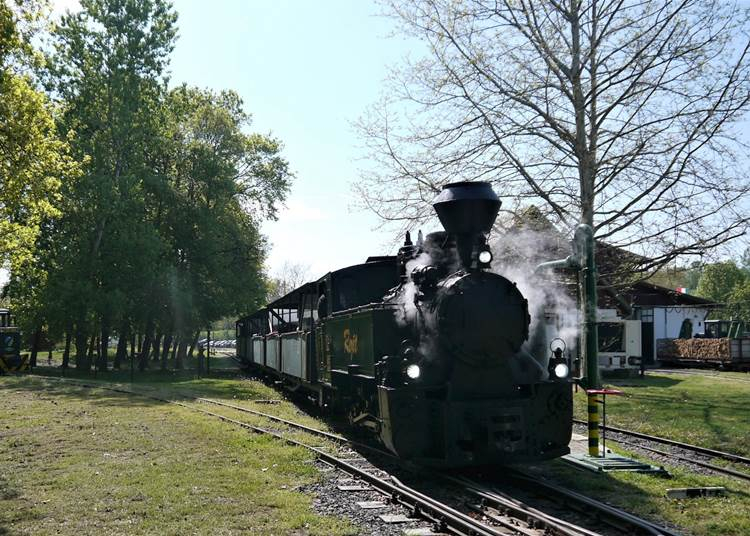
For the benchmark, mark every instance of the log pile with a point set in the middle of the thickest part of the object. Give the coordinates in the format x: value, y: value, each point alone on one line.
x: 703, y: 349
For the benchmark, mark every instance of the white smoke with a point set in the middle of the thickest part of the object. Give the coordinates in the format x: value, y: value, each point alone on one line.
x: 553, y: 310
x: 408, y: 310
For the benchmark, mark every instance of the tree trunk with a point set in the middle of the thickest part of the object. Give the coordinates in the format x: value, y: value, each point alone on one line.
x: 132, y: 346
x: 193, y: 344
x: 157, y: 347
x: 146, y: 347
x: 94, y: 350
x: 103, y: 365
x: 181, y: 353
x: 165, y: 351
x: 122, y: 346
x: 90, y: 352
x: 81, y: 360
x: 174, y: 350
x: 66, y: 352
x: 35, y: 345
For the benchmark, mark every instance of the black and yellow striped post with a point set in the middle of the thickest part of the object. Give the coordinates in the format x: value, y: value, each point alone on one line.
x: 593, y: 422
x: 590, y: 337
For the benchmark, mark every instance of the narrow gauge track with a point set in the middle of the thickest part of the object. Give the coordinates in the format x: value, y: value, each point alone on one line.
x: 505, y: 512
x: 711, y: 453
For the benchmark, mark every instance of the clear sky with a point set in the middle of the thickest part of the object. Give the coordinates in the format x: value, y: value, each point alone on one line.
x: 306, y: 70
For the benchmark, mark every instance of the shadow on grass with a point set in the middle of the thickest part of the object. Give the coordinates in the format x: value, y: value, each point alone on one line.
x: 648, y: 381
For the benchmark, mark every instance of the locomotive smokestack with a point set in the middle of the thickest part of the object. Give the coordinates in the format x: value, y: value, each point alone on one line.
x: 467, y: 210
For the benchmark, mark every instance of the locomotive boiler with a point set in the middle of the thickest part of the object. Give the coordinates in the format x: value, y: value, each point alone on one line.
x: 425, y: 348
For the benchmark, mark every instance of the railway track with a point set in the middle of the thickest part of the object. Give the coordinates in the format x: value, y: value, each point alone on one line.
x: 491, y: 512
x: 688, y: 449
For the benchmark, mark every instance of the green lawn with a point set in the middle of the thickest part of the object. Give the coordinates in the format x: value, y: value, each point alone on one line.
x: 645, y: 495
x: 77, y: 461
x: 99, y: 462
x: 710, y: 412
x: 701, y: 410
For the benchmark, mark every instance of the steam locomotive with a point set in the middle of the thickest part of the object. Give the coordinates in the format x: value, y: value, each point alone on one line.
x: 425, y: 349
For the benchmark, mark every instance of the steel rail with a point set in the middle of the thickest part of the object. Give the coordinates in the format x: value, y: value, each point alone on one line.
x: 687, y: 446
x: 612, y: 513
x: 302, y: 427
x: 717, y: 468
x: 500, y: 500
x: 441, y: 514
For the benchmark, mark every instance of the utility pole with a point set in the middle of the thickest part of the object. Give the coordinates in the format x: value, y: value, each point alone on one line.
x: 586, y: 245
x: 583, y: 260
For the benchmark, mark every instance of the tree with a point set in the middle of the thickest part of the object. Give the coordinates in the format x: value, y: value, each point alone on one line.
x: 225, y: 182
x: 108, y: 71
x: 738, y: 303
x: 718, y: 281
x: 620, y: 115
x: 33, y: 159
x: 290, y: 276
x: 34, y: 162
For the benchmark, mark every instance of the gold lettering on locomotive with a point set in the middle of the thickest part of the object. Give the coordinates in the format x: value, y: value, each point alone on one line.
x: 350, y: 342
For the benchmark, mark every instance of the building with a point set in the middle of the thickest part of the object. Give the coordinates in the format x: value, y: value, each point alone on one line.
x: 664, y: 313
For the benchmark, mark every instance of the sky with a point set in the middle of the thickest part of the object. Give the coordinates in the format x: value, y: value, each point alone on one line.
x: 305, y: 70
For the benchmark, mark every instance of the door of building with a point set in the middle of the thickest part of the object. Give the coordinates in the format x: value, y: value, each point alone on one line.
x: 647, y: 336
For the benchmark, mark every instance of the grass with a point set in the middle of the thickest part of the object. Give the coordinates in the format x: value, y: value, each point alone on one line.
x: 695, y: 409
x: 99, y: 462
x: 701, y: 410
x: 645, y: 495
x: 77, y: 461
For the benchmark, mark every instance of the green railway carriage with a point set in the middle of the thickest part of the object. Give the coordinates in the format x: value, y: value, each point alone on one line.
x: 424, y: 349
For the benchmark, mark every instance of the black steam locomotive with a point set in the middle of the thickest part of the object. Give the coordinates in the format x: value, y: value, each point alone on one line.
x: 425, y: 348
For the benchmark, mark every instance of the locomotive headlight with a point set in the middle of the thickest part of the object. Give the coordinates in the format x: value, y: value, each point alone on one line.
x: 413, y: 371
x: 485, y: 256
x: 561, y: 370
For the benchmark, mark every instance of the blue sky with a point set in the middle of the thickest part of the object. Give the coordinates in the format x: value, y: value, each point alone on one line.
x: 305, y: 70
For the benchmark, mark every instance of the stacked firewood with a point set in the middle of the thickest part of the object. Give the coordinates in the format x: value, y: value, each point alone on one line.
x: 693, y: 348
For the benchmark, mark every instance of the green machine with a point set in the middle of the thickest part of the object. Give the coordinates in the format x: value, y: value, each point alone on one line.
x: 11, y: 359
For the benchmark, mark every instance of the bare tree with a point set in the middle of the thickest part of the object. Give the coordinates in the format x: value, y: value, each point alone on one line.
x: 621, y: 114
x: 290, y: 276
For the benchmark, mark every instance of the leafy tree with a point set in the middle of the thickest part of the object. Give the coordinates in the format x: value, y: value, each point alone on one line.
x: 619, y: 115
x: 108, y: 70
x: 33, y: 159
x: 718, y: 281
x: 225, y: 182
x: 738, y: 302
